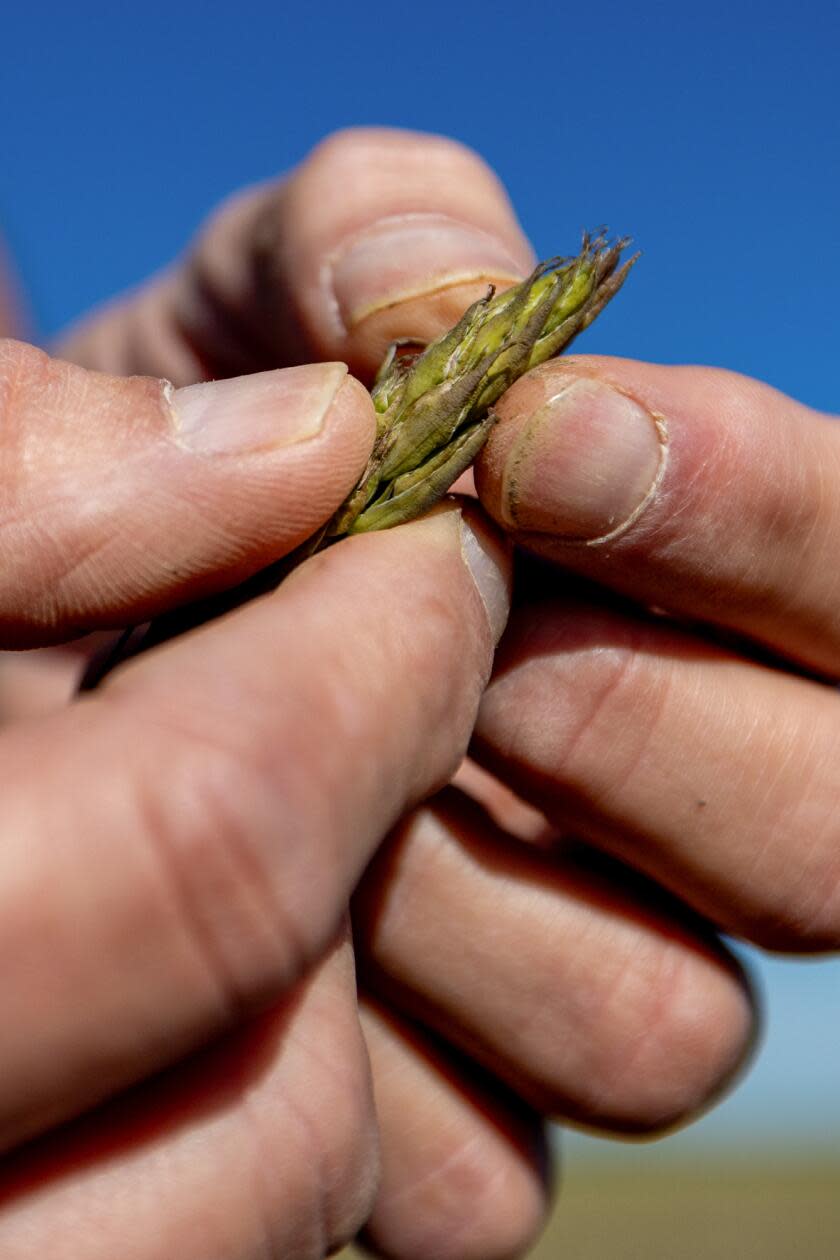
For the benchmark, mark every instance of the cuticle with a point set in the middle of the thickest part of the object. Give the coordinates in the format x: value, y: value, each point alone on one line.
x: 510, y: 498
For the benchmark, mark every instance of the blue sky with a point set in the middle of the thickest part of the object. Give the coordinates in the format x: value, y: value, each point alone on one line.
x: 709, y: 133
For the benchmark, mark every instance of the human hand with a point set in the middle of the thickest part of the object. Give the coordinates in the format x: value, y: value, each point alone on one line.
x: 545, y: 966
x: 683, y: 765
x: 699, y: 745
x: 179, y: 849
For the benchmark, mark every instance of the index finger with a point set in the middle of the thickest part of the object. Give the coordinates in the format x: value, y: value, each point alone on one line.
x: 694, y: 490
x: 180, y: 848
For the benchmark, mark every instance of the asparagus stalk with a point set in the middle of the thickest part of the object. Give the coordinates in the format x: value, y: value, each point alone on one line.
x: 434, y: 414
x: 434, y: 405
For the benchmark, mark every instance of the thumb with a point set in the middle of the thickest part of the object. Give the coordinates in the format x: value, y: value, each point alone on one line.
x: 120, y: 496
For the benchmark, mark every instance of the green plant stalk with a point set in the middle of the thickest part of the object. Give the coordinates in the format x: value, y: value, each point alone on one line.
x: 434, y: 408
x: 434, y: 405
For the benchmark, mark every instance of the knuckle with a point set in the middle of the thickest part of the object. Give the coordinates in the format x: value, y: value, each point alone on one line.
x: 214, y: 833
x: 353, y: 146
x: 415, y: 170
x: 554, y: 698
x: 318, y: 1125
x: 795, y: 502
x: 760, y: 463
x: 351, y: 1176
x: 671, y: 1033
x: 333, y: 1129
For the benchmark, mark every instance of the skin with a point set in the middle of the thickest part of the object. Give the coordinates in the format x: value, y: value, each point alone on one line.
x: 540, y: 940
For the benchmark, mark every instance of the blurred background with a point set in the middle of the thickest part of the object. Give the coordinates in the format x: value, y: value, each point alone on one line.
x: 711, y: 133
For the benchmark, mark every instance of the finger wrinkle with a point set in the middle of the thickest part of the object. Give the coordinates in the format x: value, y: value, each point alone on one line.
x: 212, y: 862
x: 507, y: 726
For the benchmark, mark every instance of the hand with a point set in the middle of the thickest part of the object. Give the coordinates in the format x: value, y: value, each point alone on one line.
x: 179, y: 849
x: 544, y: 965
x: 682, y: 761
x: 699, y: 745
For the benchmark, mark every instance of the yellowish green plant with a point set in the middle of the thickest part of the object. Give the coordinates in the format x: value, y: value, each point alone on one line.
x: 434, y: 413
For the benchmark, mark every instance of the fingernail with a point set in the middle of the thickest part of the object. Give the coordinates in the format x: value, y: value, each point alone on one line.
x: 585, y: 465
x: 261, y: 412
x: 408, y: 256
x: 485, y: 557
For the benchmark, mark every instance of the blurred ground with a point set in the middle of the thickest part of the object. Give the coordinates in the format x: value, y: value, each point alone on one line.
x: 708, y: 1209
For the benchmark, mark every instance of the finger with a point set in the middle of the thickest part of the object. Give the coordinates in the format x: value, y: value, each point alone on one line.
x: 714, y: 775
x: 576, y: 983
x: 39, y: 682
x: 378, y: 234
x: 121, y: 497
x: 464, y: 1165
x: 180, y: 847
x: 264, y: 1144
x: 701, y: 492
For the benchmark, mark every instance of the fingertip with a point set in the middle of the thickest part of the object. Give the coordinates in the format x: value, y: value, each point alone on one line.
x: 351, y: 423
x: 422, y: 227
x: 465, y: 1166
x: 572, y: 457
x: 485, y: 555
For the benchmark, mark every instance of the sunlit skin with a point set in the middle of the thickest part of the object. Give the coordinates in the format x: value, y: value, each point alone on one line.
x: 184, y: 1045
